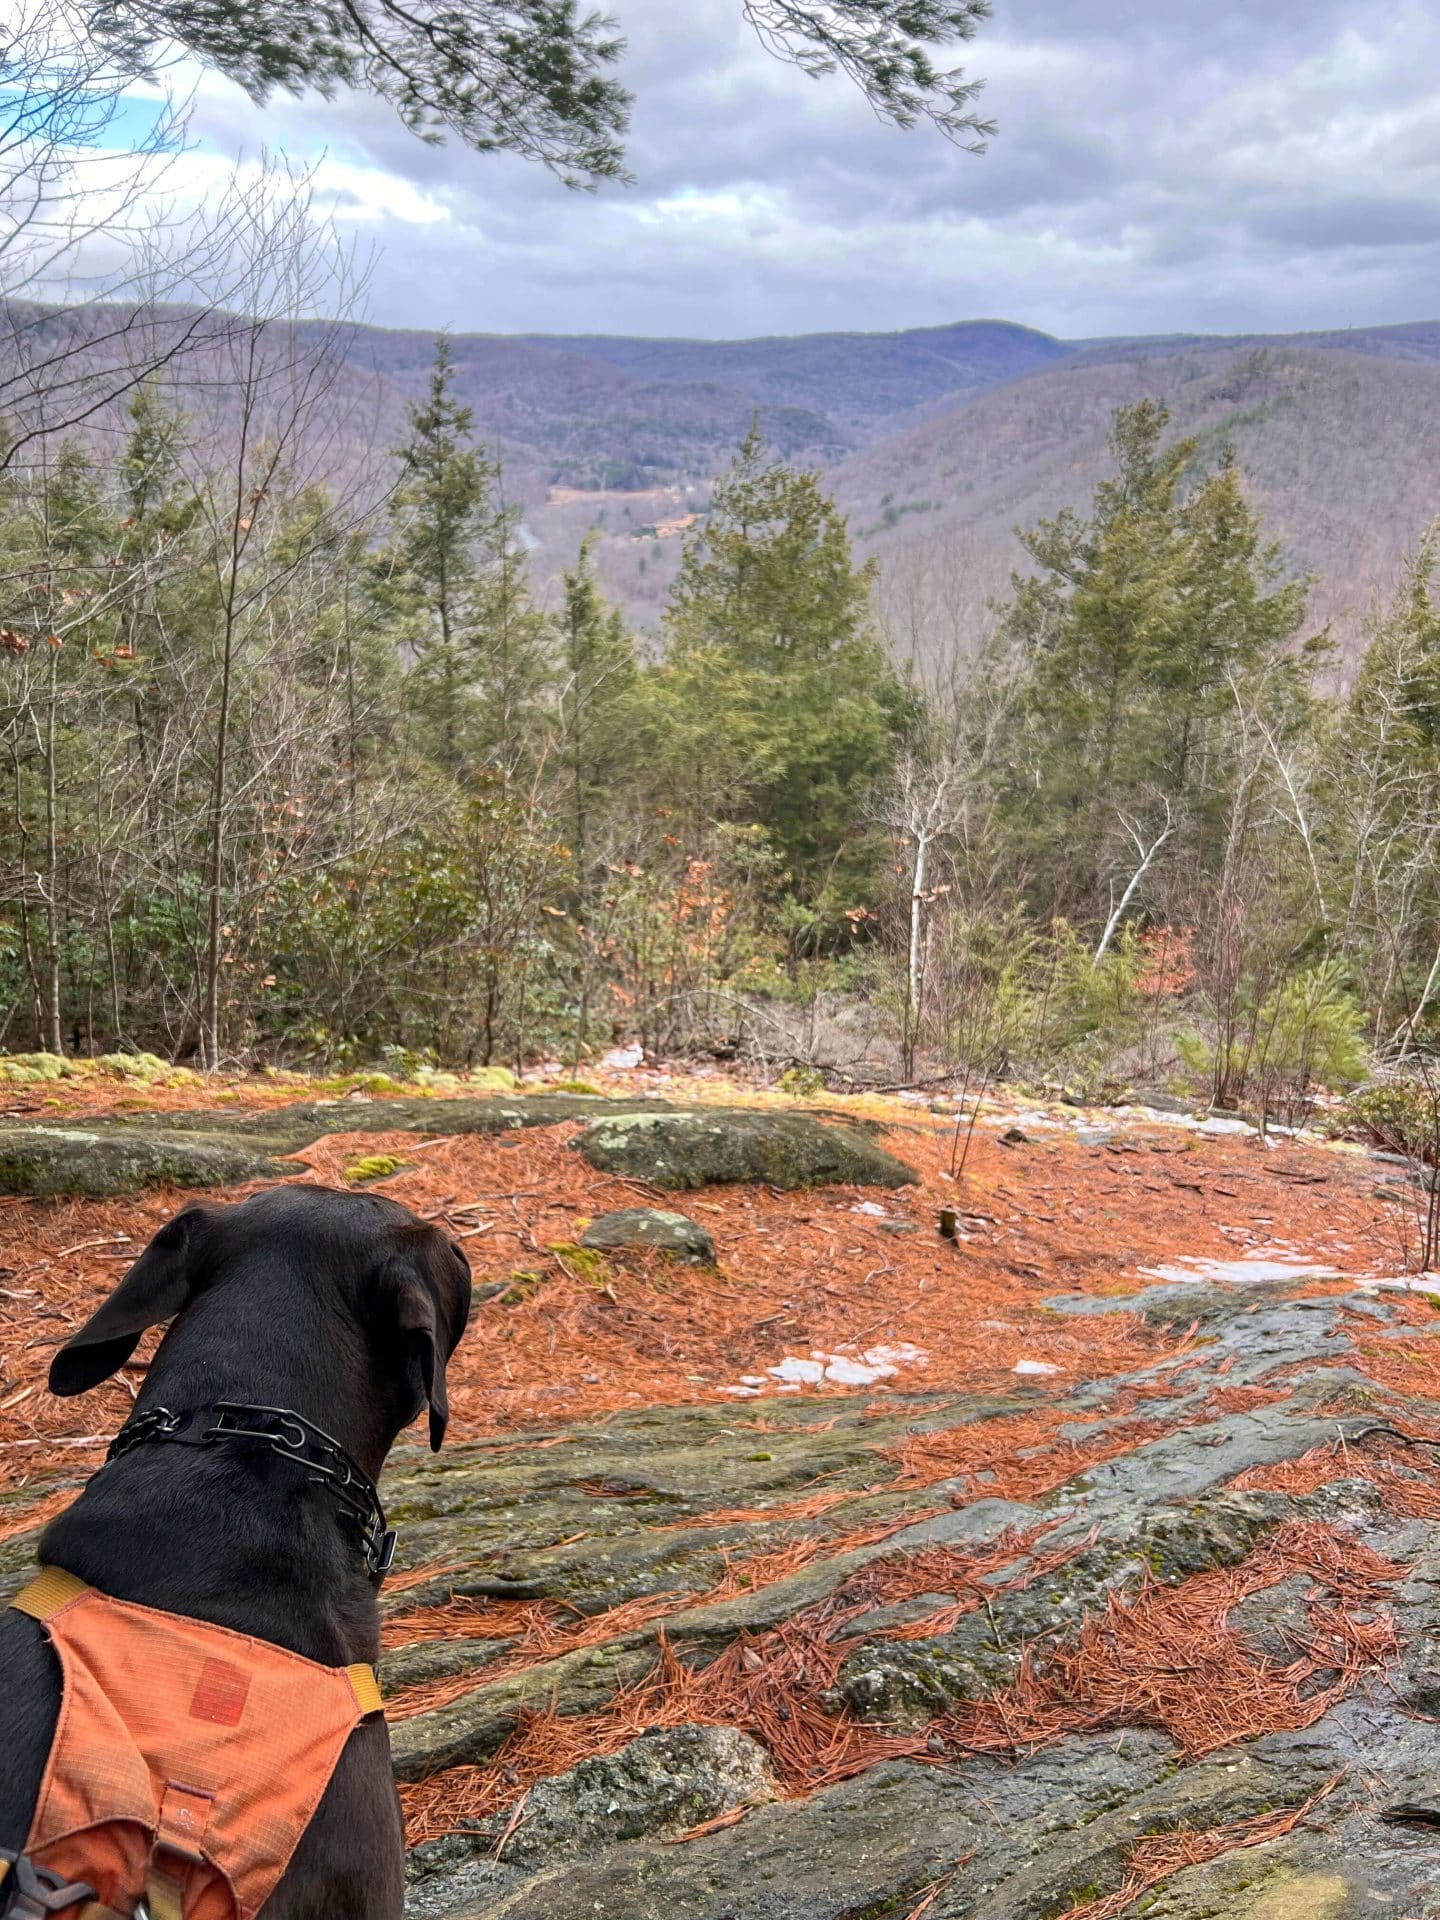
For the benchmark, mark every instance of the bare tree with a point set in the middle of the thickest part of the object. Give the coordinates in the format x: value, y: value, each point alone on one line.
x: 921, y: 807
x: 114, y: 269
x: 272, y: 385
x: 1147, y: 852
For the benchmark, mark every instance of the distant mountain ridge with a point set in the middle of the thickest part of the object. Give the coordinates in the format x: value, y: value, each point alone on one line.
x: 941, y: 440
x: 938, y: 441
x: 859, y: 379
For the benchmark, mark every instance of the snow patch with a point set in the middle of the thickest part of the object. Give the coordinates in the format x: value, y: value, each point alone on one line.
x: 1201, y: 1270
x: 840, y: 1369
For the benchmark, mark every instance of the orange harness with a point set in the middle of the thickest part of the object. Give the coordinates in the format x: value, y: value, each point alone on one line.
x: 187, y: 1760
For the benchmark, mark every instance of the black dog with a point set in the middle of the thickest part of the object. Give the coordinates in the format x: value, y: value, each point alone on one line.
x: 342, y: 1307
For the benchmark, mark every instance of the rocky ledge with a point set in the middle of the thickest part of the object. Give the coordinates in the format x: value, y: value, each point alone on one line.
x: 749, y: 1664
x: 795, y: 1660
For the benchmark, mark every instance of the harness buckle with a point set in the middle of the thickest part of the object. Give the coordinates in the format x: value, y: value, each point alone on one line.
x: 35, y: 1891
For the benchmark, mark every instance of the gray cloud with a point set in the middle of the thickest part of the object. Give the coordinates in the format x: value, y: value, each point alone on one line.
x: 1159, y: 167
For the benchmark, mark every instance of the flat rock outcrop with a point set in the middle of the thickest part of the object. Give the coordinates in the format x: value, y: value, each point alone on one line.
x: 710, y: 1146
x: 1164, y: 1641
x: 1138, y: 1812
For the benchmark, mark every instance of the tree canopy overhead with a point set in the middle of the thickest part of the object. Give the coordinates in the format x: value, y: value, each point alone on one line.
x: 536, y: 77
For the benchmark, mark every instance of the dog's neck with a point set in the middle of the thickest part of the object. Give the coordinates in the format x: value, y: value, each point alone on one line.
x: 244, y: 1539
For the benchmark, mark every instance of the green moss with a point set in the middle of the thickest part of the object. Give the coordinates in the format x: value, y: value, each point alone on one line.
x: 374, y: 1166
x: 497, y: 1079
x: 146, y: 1068
x: 1077, y: 1897
x: 436, y: 1080
x: 34, y: 1069
x: 576, y: 1086
x: 362, y: 1083
x: 584, y: 1262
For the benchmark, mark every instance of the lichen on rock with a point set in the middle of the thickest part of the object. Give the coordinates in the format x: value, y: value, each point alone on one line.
x: 664, y: 1782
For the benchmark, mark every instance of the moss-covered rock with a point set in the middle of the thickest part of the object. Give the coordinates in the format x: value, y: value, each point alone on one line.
x: 125, y: 1153
x: 651, y: 1228
x: 34, y: 1069
x: 718, y: 1146
x: 122, y: 1153
x: 909, y: 1682
x: 293, y: 1128
x: 49, y: 1162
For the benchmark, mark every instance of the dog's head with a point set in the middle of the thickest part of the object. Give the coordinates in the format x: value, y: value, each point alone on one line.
x: 357, y: 1273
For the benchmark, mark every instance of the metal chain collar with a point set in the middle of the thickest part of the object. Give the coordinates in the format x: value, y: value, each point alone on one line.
x: 284, y: 1432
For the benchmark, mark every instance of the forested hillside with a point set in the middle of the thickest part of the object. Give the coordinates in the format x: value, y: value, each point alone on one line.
x: 1340, y: 452
x: 943, y: 440
x: 307, y: 773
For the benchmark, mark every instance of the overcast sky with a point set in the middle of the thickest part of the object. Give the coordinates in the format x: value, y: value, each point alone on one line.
x: 1161, y: 165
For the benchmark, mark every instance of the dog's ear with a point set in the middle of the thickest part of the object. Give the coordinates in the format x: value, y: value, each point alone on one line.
x: 155, y: 1289
x: 424, y: 1294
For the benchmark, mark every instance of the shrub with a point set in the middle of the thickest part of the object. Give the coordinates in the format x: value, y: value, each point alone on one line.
x: 1398, y: 1115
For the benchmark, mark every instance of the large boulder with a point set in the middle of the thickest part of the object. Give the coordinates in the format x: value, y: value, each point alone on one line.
x: 716, y: 1146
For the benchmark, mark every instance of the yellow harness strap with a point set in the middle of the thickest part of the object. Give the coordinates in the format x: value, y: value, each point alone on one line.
x: 53, y: 1588
x: 47, y: 1593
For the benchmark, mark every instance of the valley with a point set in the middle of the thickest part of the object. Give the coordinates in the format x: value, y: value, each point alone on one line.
x: 940, y: 441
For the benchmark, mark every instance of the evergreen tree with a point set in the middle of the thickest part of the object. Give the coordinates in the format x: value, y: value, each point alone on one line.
x: 427, y: 575
x: 1383, y: 760
x: 596, y: 716
x: 1136, y: 642
x: 778, y: 696
x: 453, y: 580
x: 1237, y: 618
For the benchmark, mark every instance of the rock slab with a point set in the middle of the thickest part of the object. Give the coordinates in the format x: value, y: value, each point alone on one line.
x: 640, y: 1140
